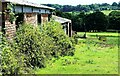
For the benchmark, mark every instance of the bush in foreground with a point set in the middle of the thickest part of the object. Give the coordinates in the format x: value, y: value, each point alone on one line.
x: 33, y: 46
x: 12, y: 61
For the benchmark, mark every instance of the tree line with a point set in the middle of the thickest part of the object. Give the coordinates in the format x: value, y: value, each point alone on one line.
x: 86, y: 8
x: 96, y: 21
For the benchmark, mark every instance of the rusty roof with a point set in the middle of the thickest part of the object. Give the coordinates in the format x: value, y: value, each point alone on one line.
x: 27, y: 3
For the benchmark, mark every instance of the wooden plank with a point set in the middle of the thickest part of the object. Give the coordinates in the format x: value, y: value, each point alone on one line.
x: 18, y: 9
x: 27, y: 9
x: 36, y: 10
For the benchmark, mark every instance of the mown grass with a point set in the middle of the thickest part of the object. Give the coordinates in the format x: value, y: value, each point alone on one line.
x: 92, y: 56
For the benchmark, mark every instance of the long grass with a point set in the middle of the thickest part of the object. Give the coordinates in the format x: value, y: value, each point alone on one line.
x: 92, y: 56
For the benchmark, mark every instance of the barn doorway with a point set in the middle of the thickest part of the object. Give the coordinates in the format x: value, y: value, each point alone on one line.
x: 19, y: 19
x: 39, y: 18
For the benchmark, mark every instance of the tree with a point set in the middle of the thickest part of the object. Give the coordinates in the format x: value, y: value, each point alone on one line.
x: 114, y: 4
x: 105, y: 4
x: 118, y: 4
x: 78, y: 21
x: 114, y: 20
x: 96, y: 21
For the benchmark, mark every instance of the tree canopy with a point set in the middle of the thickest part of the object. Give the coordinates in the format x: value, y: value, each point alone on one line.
x: 70, y: 8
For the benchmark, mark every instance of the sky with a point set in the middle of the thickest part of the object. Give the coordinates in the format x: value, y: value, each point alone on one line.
x: 73, y: 2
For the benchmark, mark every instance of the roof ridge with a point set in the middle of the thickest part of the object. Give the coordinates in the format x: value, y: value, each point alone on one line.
x: 26, y: 2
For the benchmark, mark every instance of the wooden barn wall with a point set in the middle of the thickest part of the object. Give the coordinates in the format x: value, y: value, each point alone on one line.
x: 43, y: 11
x: 36, y: 10
x: 27, y: 9
x: 18, y: 9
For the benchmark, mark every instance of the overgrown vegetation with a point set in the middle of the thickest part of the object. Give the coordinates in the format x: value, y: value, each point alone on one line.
x: 92, y: 56
x: 33, y: 46
x: 12, y: 61
x: 62, y: 41
x: 9, y: 12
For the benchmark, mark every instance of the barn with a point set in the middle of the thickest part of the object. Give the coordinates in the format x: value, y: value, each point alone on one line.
x: 24, y: 11
x: 66, y: 23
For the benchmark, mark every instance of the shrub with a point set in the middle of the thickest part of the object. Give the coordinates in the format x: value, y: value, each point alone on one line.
x: 35, y: 45
x: 12, y: 61
x: 63, y: 43
x: 75, y: 37
x: 32, y: 47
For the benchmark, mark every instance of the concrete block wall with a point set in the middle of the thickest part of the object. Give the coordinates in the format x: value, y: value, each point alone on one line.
x: 44, y: 18
x: 10, y: 29
x: 31, y: 18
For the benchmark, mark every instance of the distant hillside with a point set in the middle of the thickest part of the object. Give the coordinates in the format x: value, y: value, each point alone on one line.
x: 86, y: 8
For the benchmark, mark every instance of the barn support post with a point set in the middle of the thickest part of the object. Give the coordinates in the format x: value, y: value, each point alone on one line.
x: 68, y: 24
x: 70, y: 30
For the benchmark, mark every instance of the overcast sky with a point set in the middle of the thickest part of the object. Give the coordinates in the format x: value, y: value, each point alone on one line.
x: 73, y: 2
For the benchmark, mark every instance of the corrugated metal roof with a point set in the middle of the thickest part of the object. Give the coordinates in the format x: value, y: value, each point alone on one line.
x: 25, y: 2
x: 60, y: 19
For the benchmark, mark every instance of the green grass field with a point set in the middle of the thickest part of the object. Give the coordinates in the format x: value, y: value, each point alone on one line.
x: 106, y: 12
x: 92, y: 56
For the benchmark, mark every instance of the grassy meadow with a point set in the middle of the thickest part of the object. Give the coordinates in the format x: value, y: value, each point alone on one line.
x: 106, y: 12
x: 92, y: 56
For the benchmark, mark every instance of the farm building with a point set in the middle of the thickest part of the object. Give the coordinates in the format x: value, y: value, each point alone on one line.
x: 26, y: 12
x: 67, y: 24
